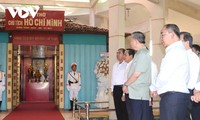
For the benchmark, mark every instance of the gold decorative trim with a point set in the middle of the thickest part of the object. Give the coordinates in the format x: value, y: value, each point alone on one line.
x: 9, y: 76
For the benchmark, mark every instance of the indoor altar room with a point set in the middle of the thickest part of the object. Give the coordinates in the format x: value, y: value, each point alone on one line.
x: 84, y: 49
x: 36, y: 54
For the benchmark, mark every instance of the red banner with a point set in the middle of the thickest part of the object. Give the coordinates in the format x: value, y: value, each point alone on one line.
x: 35, y: 39
x: 43, y: 20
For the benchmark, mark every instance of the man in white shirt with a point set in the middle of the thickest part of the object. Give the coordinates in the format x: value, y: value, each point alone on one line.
x: 116, y: 85
x: 129, y: 55
x: 171, y: 83
x: 196, y: 97
x: 187, y: 40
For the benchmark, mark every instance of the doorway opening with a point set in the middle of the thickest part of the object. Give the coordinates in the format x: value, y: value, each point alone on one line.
x: 34, y: 68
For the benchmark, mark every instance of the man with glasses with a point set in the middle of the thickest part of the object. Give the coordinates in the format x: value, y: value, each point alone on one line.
x: 171, y: 83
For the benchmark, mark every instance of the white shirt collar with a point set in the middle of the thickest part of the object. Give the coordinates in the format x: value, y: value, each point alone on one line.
x: 189, y: 50
x: 121, y: 62
x: 173, y: 45
x: 130, y: 62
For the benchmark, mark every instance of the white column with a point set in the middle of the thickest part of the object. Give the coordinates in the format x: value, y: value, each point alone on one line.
x: 116, y: 37
x: 157, y: 48
x: 92, y: 17
x: 157, y: 22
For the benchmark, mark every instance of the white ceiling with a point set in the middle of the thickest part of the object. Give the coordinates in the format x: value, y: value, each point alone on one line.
x: 197, y: 2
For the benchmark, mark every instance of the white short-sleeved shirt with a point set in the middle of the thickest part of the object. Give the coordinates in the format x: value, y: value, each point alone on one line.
x: 174, y: 70
x: 118, y: 74
x: 194, y: 68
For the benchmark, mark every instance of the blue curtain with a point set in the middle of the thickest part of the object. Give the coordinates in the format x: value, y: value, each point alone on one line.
x: 3, y: 61
x: 84, y: 50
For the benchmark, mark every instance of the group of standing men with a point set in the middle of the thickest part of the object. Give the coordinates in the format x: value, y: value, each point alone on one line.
x: 135, y: 79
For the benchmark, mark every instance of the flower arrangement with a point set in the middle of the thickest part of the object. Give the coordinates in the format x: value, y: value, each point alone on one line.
x: 102, y: 72
x: 102, y: 68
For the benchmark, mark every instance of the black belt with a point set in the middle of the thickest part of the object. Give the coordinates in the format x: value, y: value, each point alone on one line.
x: 70, y: 82
x: 118, y: 85
x: 170, y: 92
x: 191, y: 91
x: 74, y: 83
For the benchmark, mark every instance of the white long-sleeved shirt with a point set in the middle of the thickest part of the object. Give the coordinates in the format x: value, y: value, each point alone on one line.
x: 118, y: 74
x: 154, y: 73
x: 194, y: 68
x: 174, y: 70
x: 197, y: 86
x: 127, y: 70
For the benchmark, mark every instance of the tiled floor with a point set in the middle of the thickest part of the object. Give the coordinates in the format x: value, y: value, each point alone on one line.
x: 3, y: 114
x: 66, y: 114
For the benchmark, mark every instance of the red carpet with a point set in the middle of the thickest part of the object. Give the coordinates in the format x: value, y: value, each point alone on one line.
x: 35, y: 111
